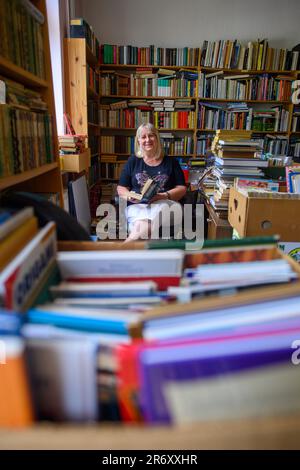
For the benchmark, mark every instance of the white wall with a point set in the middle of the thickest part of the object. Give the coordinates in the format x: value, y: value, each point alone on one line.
x: 175, y: 23
x: 56, y: 60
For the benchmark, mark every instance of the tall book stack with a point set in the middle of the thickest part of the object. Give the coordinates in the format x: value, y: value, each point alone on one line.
x: 235, y: 156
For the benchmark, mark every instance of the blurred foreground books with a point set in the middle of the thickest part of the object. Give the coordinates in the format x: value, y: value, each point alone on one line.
x: 149, y: 335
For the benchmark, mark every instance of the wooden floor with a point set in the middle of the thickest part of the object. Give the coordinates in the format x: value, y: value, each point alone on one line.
x: 271, y: 433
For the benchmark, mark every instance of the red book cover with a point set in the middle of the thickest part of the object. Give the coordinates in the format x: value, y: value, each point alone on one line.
x: 163, y: 282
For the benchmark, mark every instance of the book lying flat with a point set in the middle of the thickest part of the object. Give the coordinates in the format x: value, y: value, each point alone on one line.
x: 122, y: 266
x: 201, y: 320
x: 68, y: 289
x: 109, y: 302
x: 135, y: 263
x: 94, y: 320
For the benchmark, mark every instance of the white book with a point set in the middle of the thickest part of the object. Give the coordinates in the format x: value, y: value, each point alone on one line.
x: 63, y: 373
x: 237, y: 77
x: 120, y: 288
x: 111, y: 302
x: 189, y: 324
x: 44, y: 331
x: 21, y: 277
x: 236, y: 143
x: 214, y: 74
x: 56, y: 310
x: 141, y: 263
x: 185, y: 293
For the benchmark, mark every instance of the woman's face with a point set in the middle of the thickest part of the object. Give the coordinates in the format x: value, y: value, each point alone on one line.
x: 147, y: 141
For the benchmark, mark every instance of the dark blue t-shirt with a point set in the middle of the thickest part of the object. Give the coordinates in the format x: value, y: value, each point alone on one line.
x: 136, y: 172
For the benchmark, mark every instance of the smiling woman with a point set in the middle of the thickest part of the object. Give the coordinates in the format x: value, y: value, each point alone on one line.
x: 150, y: 162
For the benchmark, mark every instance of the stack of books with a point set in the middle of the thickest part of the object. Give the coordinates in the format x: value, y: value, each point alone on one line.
x: 71, y: 144
x: 199, y: 357
x: 235, y: 156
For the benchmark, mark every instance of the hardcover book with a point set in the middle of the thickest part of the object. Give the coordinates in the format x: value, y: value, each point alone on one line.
x: 149, y: 190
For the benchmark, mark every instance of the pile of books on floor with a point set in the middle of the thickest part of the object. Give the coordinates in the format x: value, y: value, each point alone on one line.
x: 135, y: 335
x: 235, y: 156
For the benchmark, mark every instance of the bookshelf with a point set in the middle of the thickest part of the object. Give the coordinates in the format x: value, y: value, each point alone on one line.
x: 25, y: 65
x: 82, y: 95
x: 281, y: 432
x: 131, y: 95
x: 255, y: 75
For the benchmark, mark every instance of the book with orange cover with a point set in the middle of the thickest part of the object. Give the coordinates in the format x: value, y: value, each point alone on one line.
x: 15, y: 400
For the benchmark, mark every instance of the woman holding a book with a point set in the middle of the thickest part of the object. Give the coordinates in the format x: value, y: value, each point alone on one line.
x: 151, y: 183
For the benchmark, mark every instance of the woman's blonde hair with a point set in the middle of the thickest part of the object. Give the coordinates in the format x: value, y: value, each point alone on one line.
x: 154, y: 131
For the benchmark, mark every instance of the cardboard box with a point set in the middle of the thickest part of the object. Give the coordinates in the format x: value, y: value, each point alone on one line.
x: 77, y: 162
x: 253, y: 217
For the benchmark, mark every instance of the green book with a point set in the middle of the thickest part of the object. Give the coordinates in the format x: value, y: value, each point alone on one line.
x: 225, y: 242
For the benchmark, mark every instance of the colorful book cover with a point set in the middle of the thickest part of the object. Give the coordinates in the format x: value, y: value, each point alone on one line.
x: 158, y: 367
x: 77, y: 318
x: 128, y: 357
x: 291, y: 171
x: 22, y: 276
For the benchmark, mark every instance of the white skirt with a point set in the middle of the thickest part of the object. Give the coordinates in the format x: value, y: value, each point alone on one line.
x: 152, y: 212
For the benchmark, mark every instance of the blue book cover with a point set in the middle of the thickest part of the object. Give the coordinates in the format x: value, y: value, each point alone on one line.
x: 10, y: 323
x: 94, y: 320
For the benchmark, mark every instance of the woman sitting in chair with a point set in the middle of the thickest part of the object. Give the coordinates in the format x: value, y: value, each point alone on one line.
x: 149, y: 162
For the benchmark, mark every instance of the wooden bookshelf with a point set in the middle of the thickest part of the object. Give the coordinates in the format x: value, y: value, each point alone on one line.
x: 197, y: 99
x: 45, y: 178
x: 26, y: 176
x: 183, y: 90
x: 82, y: 99
x: 77, y: 55
x: 13, y: 71
x: 276, y: 433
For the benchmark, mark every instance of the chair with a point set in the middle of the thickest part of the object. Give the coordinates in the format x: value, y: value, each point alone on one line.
x: 191, y: 197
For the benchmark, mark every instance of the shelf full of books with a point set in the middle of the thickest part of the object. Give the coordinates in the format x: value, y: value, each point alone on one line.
x: 162, y: 95
x: 230, y: 86
x: 28, y: 143
x: 223, y: 85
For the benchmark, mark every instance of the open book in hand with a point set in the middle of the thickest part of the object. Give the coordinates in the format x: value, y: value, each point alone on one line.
x: 149, y: 190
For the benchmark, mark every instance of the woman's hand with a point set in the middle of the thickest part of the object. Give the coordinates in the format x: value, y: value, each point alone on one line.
x: 133, y: 200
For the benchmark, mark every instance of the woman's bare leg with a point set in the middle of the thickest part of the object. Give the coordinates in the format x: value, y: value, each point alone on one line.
x: 140, y: 230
